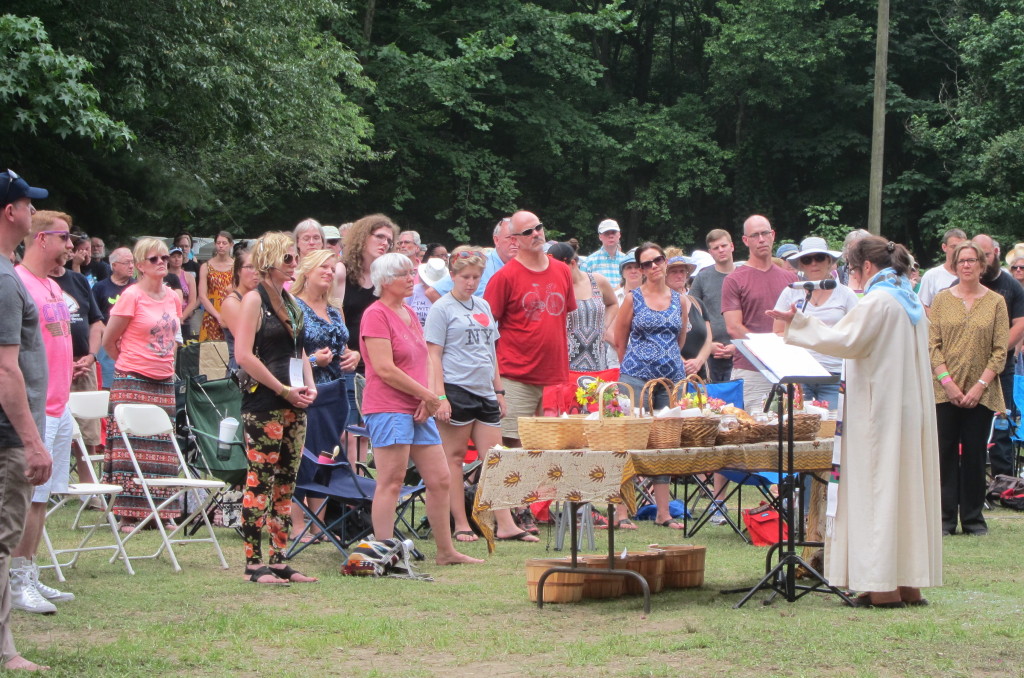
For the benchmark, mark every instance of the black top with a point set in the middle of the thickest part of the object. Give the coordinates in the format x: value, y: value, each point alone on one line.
x: 1006, y: 285
x: 106, y: 293
x: 192, y: 266
x: 696, y: 331
x: 97, y: 269
x: 274, y: 346
x: 82, y: 307
x: 357, y: 299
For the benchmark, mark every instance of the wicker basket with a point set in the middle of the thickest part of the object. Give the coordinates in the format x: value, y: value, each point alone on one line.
x: 696, y: 431
x: 747, y: 433
x: 616, y: 433
x: 664, y: 433
x: 552, y: 433
x: 805, y: 426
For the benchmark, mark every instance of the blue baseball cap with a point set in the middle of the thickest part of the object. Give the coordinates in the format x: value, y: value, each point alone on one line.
x: 13, y: 187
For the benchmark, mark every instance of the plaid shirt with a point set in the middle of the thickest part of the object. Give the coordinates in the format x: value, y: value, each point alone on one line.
x: 605, y: 264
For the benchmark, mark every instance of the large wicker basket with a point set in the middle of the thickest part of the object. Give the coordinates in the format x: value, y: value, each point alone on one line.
x: 616, y: 433
x: 805, y: 426
x: 696, y: 431
x: 664, y: 433
x: 552, y: 433
x: 747, y: 433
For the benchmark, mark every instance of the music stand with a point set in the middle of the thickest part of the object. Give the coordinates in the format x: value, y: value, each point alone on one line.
x: 781, y: 579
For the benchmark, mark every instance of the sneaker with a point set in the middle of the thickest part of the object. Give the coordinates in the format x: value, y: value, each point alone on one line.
x: 24, y: 595
x: 718, y: 514
x: 48, y: 592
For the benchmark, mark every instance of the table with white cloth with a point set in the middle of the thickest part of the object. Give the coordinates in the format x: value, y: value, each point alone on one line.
x: 516, y: 477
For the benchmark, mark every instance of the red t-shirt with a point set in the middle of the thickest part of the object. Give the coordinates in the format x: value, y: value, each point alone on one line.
x: 408, y: 349
x: 753, y: 292
x: 530, y: 308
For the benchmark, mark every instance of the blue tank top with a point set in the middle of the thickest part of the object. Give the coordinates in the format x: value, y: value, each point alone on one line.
x: 653, y: 348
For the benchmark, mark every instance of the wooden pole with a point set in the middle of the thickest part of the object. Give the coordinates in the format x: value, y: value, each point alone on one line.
x: 878, y: 119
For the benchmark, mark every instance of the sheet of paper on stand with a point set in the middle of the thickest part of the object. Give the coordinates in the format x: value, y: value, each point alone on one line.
x: 783, y: 359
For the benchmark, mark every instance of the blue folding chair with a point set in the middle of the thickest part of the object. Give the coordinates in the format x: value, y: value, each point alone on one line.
x: 1016, y: 432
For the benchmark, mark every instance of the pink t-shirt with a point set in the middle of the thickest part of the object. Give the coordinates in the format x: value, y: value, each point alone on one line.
x: 55, y: 324
x: 409, y: 349
x: 530, y: 308
x: 148, y: 343
x: 753, y: 292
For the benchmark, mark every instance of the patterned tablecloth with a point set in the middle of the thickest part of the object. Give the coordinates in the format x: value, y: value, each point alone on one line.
x: 515, y: 477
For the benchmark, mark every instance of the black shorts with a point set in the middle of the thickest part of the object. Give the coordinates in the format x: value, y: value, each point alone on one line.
x: 468, y: 407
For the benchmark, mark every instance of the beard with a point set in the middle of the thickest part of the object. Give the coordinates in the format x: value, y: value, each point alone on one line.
x: 991, y: 271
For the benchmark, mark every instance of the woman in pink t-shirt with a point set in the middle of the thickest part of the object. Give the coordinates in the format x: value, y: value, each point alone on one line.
x: 141, y: 337
x: 398, y: 405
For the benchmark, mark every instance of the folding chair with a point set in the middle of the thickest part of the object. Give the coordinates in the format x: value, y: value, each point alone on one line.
x: 149, y: 421
x: 86, y: 404
x: 347, y: 491
x: 760, y: 480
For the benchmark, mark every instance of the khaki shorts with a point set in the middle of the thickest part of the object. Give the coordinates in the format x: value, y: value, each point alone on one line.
x: 90, y: 427
x: 522, y: 400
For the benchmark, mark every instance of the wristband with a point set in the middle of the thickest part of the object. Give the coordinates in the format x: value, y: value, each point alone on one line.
x: 499, y: 391
x: 983, y: 383
x: 940, y: 377
x: 442, y: 397
x: 285, y: 390
x: 946, y: 380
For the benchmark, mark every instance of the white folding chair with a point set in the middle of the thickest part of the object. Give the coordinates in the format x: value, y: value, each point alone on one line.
x: 88, y: 405
x: 148, y: 421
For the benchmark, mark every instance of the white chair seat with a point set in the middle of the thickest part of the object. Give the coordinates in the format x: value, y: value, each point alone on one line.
x: 79, y: 489
x: 186, y: 482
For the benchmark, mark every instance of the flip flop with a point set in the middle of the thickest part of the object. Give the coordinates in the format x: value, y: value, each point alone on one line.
x: 522, y: 536
x: 465, y: 533
x: 669, y: 523
x: 864, y: 600
x: 288, y: 573
x: 264, y: 571
x: 625, y: 524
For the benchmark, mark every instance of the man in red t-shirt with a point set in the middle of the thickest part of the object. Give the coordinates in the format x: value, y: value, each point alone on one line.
x: 530, y: 298
x: 747, y: 293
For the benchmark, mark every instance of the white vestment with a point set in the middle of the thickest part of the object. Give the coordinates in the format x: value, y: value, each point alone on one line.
x: 887, y: 530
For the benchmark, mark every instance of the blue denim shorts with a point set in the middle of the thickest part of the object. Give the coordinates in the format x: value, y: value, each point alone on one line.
x: 396, y: 428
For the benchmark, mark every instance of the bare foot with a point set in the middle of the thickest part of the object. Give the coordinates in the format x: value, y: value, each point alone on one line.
x: 19, y: 663
x: 465, y: 536
x: 456, y: 558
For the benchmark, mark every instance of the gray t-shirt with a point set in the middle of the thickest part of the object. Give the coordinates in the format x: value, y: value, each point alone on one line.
x: 467, y: 332
x: 707, y: 288
x: 15, y: 302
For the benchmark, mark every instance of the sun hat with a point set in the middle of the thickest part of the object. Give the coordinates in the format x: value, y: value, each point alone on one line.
x: 785, y: 250
x: 681, y: 261
x: 813, y: 245
x: 432, y: 271
x: 1015, y: 253
x: 608, y: 225
x: 331, y: 233
x: 702, y: 259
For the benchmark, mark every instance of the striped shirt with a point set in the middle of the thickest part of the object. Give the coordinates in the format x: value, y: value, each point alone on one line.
x: 605, y: 264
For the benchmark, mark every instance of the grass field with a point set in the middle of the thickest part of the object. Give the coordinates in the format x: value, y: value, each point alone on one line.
x: 477, y: 621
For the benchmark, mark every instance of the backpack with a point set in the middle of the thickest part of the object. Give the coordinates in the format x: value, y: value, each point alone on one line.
x: 762, y: 522
x: 388, y: 558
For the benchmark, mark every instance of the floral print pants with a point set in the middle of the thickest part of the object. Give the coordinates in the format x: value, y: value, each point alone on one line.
x: 274, y: 449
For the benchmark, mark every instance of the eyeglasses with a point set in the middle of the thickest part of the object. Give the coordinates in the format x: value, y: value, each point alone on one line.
x: 651, y: 263
x: 157, y: 259
x: 528, y: 232
x: 384, y: 238
x: 1017, y: 268
x: 816, y: 257
x: 63, y: 235
x: 971, y: 262
x: 763, y: 235
x: 12, y: 176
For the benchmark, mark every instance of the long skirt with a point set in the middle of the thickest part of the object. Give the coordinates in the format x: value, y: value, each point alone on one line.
x: 156, y: 455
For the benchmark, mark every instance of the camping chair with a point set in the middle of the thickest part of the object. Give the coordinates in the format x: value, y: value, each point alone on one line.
x: 1016, y: 432
x: 350, y: 496
x: 762, y: 481
x: 87, y: 403
x: 149, y: 421
x: 207, y: 404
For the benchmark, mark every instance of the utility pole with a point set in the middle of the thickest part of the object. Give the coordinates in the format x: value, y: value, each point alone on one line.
x: 878, y: 120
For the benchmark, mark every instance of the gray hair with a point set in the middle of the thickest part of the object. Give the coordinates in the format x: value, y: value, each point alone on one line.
x: 386, y: 268
x: 852, y: 237
x: 121, y: 255
x: 501, y: 225
x: 953, y: 233
x: 415, y: 236
x: 307, y: 225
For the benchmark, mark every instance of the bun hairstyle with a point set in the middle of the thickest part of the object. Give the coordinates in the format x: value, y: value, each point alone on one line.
x: 880, y: 252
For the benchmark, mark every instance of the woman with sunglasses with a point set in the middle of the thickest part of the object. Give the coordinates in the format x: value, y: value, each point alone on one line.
x: 268, y: 346
x: 1017, y: 269
x: 214, y: 285
x: 816, y: 262
x: 460, y: 333
x: 141, y: 337
x: 365, y: 241
x: 399, y: 405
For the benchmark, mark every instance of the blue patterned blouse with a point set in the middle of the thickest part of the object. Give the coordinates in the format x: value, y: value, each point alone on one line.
x: 653, y: 348
x: 319, y: 333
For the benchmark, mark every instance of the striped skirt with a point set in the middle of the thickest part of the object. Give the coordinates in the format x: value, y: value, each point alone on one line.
x: 156, y: 456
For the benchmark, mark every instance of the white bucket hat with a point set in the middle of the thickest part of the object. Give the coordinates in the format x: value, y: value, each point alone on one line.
x: 814, y: 245
x: 432, y: 271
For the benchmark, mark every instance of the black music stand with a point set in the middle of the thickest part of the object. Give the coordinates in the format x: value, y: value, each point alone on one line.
x: 781, y: 579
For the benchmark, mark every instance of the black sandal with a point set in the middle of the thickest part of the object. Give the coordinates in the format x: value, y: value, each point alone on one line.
x: 287, y: 572
x: 264, y: 571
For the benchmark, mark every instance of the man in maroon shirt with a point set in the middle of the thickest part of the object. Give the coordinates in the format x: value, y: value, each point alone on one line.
x: 530, y: 297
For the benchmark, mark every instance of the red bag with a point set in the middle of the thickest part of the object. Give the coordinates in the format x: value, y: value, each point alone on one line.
x: 560, y: 398
x: 762, y: 523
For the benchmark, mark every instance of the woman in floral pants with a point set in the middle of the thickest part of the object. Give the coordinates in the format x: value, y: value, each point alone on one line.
x: 268, y: 340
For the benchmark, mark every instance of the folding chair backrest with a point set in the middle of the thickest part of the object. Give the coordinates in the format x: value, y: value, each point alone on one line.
x: 148, y: 421
x: 89, y: 404
x: 206, y: 405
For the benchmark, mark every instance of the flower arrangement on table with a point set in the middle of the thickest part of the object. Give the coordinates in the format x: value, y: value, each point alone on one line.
x: 706, y: 405
x: 587, y: 396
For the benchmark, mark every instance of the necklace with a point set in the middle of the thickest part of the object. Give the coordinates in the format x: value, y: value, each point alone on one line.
x: 468, y: 308
x: 45, y: 282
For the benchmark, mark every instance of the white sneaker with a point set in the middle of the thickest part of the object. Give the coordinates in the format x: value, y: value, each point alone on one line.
x: 24, y: 595
x: 48, y: 592
x: 718, y: 517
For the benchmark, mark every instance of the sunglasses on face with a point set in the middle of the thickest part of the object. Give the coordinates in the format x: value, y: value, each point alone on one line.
x: 289, y: 259
x: 156, y: 259
x: 63, y: 235
x: 811, y: 258
x: 528, y: 232
x: 651, y: 263
x: 1017, y: 268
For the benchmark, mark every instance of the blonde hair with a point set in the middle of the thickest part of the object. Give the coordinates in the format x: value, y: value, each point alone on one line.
x: 307, y: 265
x: 146, y: 245
x: 458, y: 261
x: 269, y: 250
x: 673, y: 251
x: 42, y: 220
